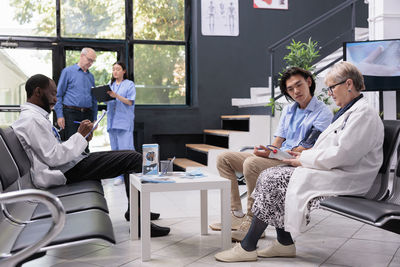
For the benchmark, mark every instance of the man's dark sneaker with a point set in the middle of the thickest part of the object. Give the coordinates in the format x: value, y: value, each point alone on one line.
x: 153, y: 216
x: 156, y: 230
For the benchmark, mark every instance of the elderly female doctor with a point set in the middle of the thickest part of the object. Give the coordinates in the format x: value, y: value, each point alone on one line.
x: 344, y: 161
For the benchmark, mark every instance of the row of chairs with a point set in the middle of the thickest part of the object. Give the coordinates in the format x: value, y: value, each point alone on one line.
x: 33, y: 221
x: 381, y: 206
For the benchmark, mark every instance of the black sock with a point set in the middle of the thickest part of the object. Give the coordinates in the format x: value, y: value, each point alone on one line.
x: 257, y: 227
x: 285, y: 238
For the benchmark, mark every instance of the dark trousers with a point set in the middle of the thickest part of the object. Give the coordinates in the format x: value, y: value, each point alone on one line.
x: 106, y: 164
x: 71, y: 115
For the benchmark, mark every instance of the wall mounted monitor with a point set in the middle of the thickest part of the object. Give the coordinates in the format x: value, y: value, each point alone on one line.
x: 378, y: 61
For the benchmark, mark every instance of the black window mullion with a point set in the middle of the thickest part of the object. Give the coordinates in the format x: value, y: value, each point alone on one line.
x: 58, y: 19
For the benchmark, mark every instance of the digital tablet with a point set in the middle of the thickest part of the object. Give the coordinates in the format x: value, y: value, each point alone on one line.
x: 100, y: 93
x: 103, y: 113
x: 276, y: 153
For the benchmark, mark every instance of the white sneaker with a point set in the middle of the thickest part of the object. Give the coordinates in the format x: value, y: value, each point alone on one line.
x: 237, y: 253
x: 241, y: 232
x: 276, y: 249
x: 118, y: 181
x: 236, y: 222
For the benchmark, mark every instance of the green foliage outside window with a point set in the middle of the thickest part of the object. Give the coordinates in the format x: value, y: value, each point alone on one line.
x: 159, y: 70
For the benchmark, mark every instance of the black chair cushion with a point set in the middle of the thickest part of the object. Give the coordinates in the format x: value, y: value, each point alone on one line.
x: 392, y: 130
x: 75, y: 203
x: 77, y: 188
x: 16, y: 149
x: 80, y: 226
x: 369, y: 210
x: 9, y: 173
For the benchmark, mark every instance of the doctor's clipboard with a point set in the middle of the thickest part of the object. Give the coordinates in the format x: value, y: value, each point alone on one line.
x: 100, y: 93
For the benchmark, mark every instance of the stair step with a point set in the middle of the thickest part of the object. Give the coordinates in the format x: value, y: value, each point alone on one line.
x: 235, y: 117
x: 219, y: 132
x: 184, y: 163
x: 202, y: 147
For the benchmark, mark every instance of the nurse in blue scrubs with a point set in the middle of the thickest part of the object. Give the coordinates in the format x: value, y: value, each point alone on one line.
x: 121, y: 111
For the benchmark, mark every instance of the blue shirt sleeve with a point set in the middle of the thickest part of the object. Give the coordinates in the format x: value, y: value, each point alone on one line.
x: 281, y: 131
x: 324, y: 119
x: 62, y: 86
x: 131, y: 92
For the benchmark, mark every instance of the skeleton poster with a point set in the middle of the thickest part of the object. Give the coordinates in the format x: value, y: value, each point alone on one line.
x: 220, y: 17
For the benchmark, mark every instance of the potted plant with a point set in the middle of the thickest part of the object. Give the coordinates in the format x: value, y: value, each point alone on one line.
x: 302, y: 55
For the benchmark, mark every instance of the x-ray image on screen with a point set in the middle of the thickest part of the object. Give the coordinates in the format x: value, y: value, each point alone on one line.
x: 378, y: 61
x: 381, y: 58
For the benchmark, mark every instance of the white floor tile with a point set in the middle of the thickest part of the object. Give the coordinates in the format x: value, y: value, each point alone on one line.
x: 359, y: 259
x: 330, y: 240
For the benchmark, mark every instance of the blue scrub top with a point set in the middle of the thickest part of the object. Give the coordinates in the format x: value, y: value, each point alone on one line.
x: 295, y: 123
x: 119, y: 115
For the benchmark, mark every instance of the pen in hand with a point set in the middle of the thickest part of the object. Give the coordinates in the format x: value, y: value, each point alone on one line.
x: 78, y: 122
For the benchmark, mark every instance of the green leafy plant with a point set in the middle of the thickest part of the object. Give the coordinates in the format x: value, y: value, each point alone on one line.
x: 301, y: 55
x: 274, y: 105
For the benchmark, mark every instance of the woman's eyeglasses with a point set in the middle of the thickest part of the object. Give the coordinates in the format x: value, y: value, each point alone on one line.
x: 330, y: 88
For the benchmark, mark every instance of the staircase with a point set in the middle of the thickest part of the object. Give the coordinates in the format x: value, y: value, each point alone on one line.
x: 236, y: 132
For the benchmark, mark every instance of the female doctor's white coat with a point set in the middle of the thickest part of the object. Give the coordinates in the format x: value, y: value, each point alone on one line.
x: 345, y: 160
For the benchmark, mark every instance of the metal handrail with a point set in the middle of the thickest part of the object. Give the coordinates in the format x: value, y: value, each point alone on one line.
x: 305, y: 28
x: 56, y: 208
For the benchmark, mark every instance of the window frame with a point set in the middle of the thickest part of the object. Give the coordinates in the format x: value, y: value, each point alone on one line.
x: 124, y: 48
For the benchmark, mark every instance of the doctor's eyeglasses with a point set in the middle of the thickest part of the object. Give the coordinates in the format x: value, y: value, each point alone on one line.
x: 330, y: 88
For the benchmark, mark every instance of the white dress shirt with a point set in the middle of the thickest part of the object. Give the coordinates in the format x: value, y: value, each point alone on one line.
x: 49, y: 157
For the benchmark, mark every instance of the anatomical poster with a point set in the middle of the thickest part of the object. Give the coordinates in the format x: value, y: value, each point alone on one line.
x: 271, y: 4
x: 220, y: 17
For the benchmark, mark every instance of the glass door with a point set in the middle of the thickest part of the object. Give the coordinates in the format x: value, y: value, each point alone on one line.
x: 16, y: 66
x: 102, y: 71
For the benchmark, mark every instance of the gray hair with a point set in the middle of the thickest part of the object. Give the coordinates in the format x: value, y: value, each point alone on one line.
x: 86, y: 50
x: 345, y: 70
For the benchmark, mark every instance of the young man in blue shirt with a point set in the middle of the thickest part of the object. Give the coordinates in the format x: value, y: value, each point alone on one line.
x: 300, y: 124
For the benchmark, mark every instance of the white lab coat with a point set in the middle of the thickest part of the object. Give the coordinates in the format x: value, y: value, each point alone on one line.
x: 345, y: 160
x: 46, y: 153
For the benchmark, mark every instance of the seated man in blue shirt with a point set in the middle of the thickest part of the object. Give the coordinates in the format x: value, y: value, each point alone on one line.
x: 74, y: 98
x: 299, y: 127
x: 54, y: 162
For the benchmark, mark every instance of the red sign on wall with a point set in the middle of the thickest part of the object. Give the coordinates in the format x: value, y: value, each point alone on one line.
x: 271, y: 4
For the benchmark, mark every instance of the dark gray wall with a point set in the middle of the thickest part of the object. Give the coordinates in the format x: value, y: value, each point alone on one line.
x: 226, y: 67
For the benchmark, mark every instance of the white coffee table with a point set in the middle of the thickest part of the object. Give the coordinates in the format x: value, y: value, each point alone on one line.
x: 211, y: 181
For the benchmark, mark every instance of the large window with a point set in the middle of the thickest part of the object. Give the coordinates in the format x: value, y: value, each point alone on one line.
x: 16, y: 66
x: 104, y: 19
x: 149, y: 35
x: 159, y: 20
x: 28, y: 18
x: 160, y: 52
x: 160, y: 74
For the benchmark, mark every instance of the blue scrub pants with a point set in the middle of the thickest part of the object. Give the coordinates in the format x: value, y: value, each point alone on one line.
x: 121, y: 140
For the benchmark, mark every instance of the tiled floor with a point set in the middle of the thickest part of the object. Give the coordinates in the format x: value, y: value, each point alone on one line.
x: 331, y: 240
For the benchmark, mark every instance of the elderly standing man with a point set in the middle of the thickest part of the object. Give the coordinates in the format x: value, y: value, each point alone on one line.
x: 74, y: 99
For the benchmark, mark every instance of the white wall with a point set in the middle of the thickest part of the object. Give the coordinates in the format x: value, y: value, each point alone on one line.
x: 384, y: 21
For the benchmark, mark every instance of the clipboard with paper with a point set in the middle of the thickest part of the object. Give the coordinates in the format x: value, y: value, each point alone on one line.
x: 103, y: 114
